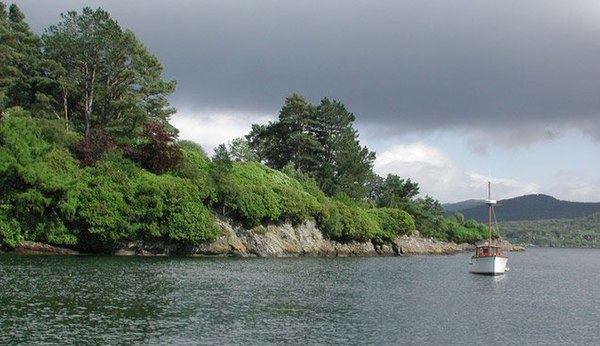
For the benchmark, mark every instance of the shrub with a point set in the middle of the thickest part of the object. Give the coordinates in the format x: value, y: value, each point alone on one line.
x: 10, y: 231
x: 392, y: 223
x: 122, y: 202
x: 195, y: 168
x: 460, y: 231
x: 90, y: 149
x: 105, y: 208
x: 344, y: 223
x: 257, y: 194
x: 37, y: 180
x: 158, y: 153
x: 171, y: 207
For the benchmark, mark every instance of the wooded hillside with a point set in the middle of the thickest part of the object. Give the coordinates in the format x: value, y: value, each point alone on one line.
x: 89, y: 159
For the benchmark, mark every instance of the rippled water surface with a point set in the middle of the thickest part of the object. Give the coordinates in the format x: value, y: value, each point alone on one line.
x: 550, y: 297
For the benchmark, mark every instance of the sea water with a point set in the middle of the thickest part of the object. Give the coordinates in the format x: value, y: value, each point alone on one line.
x: 549, y: 297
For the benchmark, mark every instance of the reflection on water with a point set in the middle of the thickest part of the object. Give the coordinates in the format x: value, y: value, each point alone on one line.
x: 410, y: 300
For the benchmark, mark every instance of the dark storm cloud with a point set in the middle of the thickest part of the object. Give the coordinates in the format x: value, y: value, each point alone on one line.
x: 410, y: 65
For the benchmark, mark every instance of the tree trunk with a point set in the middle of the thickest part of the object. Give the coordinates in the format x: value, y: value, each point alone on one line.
x: 89, y: 101
x: 65, y: 94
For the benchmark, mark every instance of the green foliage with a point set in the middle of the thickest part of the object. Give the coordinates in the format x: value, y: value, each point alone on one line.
x: 429, y: 220
x: 171, y: 207
x: 196, y: 168
x: 89, y: 75
x: 392, y: 223
x: 47, y: 197
x: 288, y: 139
x: 257, y: 194
x: 239, y: 150
x: 10, y: 230
x: 38, y: 181
x: 395, y: 192
x: 187, y: 145
x: 319, y: 141
x: 105, y: 74
x: 106, y: 207
x: 24, y: 80
x: 121, y: 202
x: 574, y: 232
x: 460, y: 231
x: 221, y: 160
x: 309, y: 184
x: 53, y: 132
x: 344, y: 222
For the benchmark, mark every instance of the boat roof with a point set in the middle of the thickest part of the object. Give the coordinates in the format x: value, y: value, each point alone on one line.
x: 488, y: 245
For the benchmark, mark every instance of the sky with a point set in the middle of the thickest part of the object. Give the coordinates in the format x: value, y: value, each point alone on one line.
x: 450, y: 94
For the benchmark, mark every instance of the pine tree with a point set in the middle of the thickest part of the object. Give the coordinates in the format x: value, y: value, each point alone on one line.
x: 296, y: 126
x: 396, y: 192
x: 34, y: 85
x: 319, y: 141
x: 9, y: 72
x: 290, y: 139
x: 346, y: 166
x: 107, y: 75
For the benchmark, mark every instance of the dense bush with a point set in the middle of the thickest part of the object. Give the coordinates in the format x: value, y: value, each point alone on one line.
x: 157, y: 153
x: 392, y: 223
x: 10, y: 231
x: 46, y: 196
x: 195, y: 168
x: 106, y: 210
x: 460, y: 231
x: 344, y: 222
x: 37, y: 180
x: 122, y: 202
x: 171, y: 207
x: 88, y: 150
x: 257, y: 194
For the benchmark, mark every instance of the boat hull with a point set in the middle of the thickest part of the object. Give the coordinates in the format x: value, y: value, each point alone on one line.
x: 488, y: 265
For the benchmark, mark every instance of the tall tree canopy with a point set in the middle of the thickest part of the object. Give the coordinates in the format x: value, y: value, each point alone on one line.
x: 23, y: 78
x: 345, y: 166
x: 7, y: 69
x: 108, y: 78
x: 395, y: 192
x: 318, y: 140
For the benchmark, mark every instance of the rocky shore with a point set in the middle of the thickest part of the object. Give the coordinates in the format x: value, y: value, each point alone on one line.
x: 306, y: 240
x: 35, y: 248
x: 282, y: 240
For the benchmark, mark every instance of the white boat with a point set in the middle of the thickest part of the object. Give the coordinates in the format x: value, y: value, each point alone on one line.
x: 489, y: 258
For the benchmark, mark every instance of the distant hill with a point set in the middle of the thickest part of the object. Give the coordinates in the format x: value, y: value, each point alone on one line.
x: 528, y: 207
x: 453, y: 208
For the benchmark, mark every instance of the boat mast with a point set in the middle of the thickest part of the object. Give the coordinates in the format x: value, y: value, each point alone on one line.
x: 489, y: 212
x: 490, y: 202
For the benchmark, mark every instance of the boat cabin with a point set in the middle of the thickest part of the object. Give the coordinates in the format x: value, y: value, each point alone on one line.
x: 488, y: 250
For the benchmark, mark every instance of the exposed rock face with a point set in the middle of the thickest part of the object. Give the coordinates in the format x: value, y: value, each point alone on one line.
x: 154, y: 247
x: 271, y: 241
x: 285, y: 240
x: 34, y: 248
x: 422, y: 246
x: 512, y: 247
x: 282, y: 240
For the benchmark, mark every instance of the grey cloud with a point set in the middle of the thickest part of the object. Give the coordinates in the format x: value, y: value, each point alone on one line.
x: 407, y: 65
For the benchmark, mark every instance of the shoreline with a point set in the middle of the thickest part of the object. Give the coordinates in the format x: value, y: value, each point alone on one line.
x: 283, y: 240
